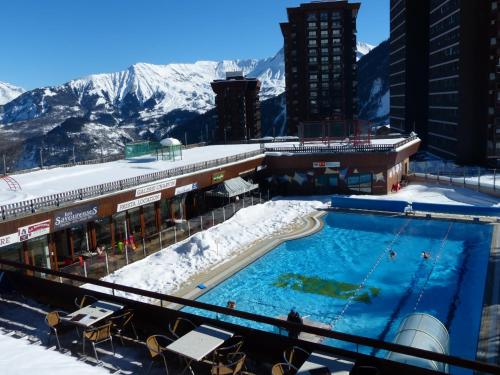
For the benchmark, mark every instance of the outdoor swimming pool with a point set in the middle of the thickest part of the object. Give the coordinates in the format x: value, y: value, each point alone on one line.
x: 343, y: 276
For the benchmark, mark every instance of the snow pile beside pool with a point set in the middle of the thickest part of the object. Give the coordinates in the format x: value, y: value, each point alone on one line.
x: 166, y: 270
x: 428, y: 193
x: 19, y: 356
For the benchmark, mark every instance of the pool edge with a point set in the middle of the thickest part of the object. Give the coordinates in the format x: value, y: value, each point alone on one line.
x: 312, y: 223
x: 488, y: 348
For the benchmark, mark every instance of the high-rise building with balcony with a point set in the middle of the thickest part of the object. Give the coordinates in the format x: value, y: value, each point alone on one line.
x: 320, y: 65
x: 408, y: 66
x: 238, y: 107
x: 444, y: 61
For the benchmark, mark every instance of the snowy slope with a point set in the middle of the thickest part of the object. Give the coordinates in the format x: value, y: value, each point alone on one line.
x: 363, y: 49
x: 9, y: 92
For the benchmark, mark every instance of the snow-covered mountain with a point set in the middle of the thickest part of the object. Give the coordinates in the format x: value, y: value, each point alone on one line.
x: 363, y: 49
x: 145, y: 101
x: 9, y: 92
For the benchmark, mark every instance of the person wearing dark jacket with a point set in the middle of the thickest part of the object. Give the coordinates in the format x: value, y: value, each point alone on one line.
x: 294, y: 317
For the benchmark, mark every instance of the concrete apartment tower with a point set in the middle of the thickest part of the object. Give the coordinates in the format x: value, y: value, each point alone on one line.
x: 238, y: 107
x: 444, y: 76
x: 320, y: 66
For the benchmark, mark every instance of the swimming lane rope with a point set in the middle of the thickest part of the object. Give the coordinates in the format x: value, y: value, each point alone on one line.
x: 382, y: 255
x: 436, y: 259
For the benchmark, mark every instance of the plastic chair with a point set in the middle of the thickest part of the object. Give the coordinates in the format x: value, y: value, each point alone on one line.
x: 282, y: 369
x: 156, y: 345
x: 97, y: 336
x: 53, y: 321
x: 295, y: 356
x: 181, y: 327
x: 233, y: 366
x: 85, y: 301
x: 122, y: 323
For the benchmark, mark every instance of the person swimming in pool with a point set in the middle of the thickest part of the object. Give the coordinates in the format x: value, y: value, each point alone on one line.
x: 426, y: 255
x: 392, y: 254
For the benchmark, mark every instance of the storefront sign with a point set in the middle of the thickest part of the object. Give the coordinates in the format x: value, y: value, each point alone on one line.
x: 154, y: 188
x: 186, y: 188
x: 326, y: 164
x: 9, y: 239
x: 138, y: 202
x: 34, y: 230
x: 73, y: 216
x: 218, y: 177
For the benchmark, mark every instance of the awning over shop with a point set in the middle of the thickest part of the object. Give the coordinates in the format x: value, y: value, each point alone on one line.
x: 232, y: 188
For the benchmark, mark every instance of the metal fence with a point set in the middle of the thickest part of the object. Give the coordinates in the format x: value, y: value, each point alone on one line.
x: 99, y: 265
x: 447, y: 172
x: 345, y: 148
x: 56, y: 200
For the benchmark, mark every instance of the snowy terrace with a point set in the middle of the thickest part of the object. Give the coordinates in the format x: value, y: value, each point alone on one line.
x: 124, y: 174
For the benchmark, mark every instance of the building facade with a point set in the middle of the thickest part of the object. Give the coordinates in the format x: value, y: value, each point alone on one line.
x: 238, y: 108
x: 320, y: 66
x: 444, y: 58
x: 409, y: 49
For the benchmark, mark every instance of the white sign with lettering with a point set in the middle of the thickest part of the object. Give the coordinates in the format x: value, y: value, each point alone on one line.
x: 9, y: 239
x: 138, y: 202
x: 186, y: 188
x: 154, y: 188
x: 326, y: 164
x: 34, y: 230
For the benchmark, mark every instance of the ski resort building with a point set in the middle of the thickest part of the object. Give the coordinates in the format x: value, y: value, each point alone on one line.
x: 320, y: 65
x: 90, y: 206
x: 238, y: 107
x: 444, y: 76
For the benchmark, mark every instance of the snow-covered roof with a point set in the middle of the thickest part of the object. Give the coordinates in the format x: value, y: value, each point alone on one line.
x: 170, y: 142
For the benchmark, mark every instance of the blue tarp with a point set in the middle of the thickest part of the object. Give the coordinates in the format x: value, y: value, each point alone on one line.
x: 399, y: 206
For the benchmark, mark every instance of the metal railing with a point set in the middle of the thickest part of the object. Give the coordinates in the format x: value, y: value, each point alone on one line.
x: 96, y: 265
x: 466, y: 176
x: 44, y: 273
x: 346, y: 148
x: 56, y: 200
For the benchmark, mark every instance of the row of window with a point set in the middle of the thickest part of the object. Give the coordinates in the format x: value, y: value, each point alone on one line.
x: 324, y: 16
x: 324, y: 51
x: 324, y: 77
x: 444, y: 25
x: 314, y: 42
x: 324, y: 25
x: 444, y: 55
x: 314, y: 85
x: 324, y: 59
x: 445, y: 40
x: 324, y: 33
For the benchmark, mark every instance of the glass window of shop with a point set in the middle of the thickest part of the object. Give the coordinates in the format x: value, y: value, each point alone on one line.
x: 103, y: 232
x: 326, y: 183
x: 12, y: 252
x: 80, y: 239
x: 38, y: 249
x: 177, y: 207
x: 361, y: 182
x: 149, y: 219
x: 62, y: 245
x: 120, y: 227
x: 166, y: 216
x: 135, y: 222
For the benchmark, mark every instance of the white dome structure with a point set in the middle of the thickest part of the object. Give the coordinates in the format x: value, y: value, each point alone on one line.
x: 170, y: 142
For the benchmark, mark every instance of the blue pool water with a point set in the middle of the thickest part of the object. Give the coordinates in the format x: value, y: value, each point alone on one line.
x: 317, y: 274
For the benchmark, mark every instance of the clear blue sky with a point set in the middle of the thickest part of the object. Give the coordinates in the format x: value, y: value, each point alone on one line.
x: 49, y: 42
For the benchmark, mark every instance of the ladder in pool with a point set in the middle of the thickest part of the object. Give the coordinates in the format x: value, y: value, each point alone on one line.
x: 11, y: 182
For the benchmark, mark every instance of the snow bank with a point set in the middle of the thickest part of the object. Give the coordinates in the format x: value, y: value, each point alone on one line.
x: 18, y: 356
x: 428, y: 193
x: 166, y: 270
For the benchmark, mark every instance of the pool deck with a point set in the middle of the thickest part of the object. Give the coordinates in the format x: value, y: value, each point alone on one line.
x: 306, y: 226
x: 488, y: 349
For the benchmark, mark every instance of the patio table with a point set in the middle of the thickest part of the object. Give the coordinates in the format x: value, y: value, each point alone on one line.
x: 323, y: 364
x: 198, y: 343
x: 92, y: 314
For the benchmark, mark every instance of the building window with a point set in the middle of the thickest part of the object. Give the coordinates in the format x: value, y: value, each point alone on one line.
x: 313, y: 60
x: 336, y: 15
x: 324, y: 67
x: 324, y: 77
x: 336, y: 58
x: 313, y: 42
x: 336, y: 40
x: 325, y: 85
x: 313, y: 77
x: 311, y: 25
x: 324, y: 33
x: 313, y: 52
x: 312, y: 17
x: 324, y: 59
x: 337, y: 50
x: 312, y: 34
x: 336, y: 32
x: 313, y: 86
x: 313, y: 94
x: 313, y: 102
x: 324, y: 51
x: 294, y: 69
x: 324, y: 25
x: 324, y: 16
x: 336, y: 24
x: 324, y: 41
